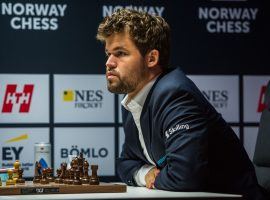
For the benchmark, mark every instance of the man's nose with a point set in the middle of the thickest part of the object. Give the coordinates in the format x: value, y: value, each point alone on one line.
x: 111, y: 62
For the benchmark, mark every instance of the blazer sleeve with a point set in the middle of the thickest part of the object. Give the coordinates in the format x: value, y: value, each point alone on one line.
x: 127, y: 165
x: 184, y: 131
x: 128, y: 162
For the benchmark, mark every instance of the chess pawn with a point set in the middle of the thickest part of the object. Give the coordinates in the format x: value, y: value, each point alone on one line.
x: 71, y: 176
x: 37, y: 175
x: 94, y: 178
x: 50, y: 175
x: 85, y: 178
x: 10, y: 180
x: 77, y: 180
x: 16, y: 166
x: 58, y: 179
x: 66, y: 179
x: 44, y: 179
x: 20, y: 180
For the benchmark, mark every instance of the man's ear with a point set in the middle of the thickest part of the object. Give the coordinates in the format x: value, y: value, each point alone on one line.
x: 152, y: 58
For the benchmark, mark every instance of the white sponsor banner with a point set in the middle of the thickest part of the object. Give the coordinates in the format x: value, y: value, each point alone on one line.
x: 96, y: 144
x: 222, y: 92
x: 250, y: 138
x: 24, y: 98
x: 82, y: 99
x: 254, y: 93
x: 121, y: 140
x: 18, y: 144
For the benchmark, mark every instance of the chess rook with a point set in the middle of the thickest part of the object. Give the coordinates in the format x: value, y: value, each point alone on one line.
x: 94, y: 180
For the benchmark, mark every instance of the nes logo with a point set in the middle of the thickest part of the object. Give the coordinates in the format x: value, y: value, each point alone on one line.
x: 84, y: 98
x: 23, y: 98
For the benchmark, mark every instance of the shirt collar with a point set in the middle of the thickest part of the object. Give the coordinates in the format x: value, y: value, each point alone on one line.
x: 140, y: 97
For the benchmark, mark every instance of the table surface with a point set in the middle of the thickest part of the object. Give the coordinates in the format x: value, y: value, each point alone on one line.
x: 132, y: 193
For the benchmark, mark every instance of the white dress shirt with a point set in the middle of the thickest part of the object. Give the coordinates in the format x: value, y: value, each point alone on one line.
x: 135, y: 106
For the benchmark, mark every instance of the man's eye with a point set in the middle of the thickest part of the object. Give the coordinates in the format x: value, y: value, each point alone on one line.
x: 120, y: 53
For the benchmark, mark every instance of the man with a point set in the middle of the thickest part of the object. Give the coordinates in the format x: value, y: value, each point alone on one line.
x: 174, y: 139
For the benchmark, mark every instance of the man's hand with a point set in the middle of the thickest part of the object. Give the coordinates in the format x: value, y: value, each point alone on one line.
x: 150, y: 177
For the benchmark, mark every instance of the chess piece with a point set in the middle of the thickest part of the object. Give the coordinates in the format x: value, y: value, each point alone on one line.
x: 67, y: 174
x: 85, y: 178
x: 58, y: 179
x: 37, y: 176
x: 20, y: 179
x: 16, y: 166
x: 50, y: 174
x: 63, y: 172
x: 94, y: 180
x: 70, y: 176
x: 77, y: 180
x: 44, y: 179
x: 10, y: 180
x: 80, y: 164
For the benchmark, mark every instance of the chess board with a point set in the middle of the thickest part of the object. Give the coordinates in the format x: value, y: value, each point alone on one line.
x: 29, y: 188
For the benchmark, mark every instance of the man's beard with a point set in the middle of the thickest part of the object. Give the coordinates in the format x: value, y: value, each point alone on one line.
x: 127, y: 84
x: 122, y: 87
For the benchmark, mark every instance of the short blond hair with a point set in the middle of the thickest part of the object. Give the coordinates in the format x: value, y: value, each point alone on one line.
x: 148, y: 32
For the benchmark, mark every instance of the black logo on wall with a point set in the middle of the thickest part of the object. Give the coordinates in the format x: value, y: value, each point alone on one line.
x: 33, y: 16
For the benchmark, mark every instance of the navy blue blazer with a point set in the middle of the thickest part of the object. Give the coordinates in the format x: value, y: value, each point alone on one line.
x: 195, y: 149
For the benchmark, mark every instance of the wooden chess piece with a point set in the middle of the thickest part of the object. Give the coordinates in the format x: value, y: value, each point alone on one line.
x: 63, y: 174
x: 66, y: 179
x: 77, y: 180
x: 44, y: 179
x: 71, y: 172
x: 58, y: 179
x: 94, y: 180
x: 85, y: 178
x: 20, y: 180
x: 50, y: 174
x: 10, y: 180
x: 80, y: 164
x: 16, y: 166
x: 37, y: 176
x: 71, y: 176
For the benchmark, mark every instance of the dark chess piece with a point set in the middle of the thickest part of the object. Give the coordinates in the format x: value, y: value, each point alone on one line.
x: 58, y: 179
x: 85, y: 178
x: 71, y: 176
x: 50, y: 174
x: 94, y: 180
x: 20, y: 179
x: 44, y: 179
x: 37, y: 176
x: 71, y: 173
x: 66, y: 179
x: 77, y: 180
x: 80, y: 164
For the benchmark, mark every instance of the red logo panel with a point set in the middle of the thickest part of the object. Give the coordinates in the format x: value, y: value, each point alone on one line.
x: 23, y: 98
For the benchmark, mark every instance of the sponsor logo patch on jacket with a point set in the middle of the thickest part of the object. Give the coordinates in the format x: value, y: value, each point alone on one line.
x: 177, y: 127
